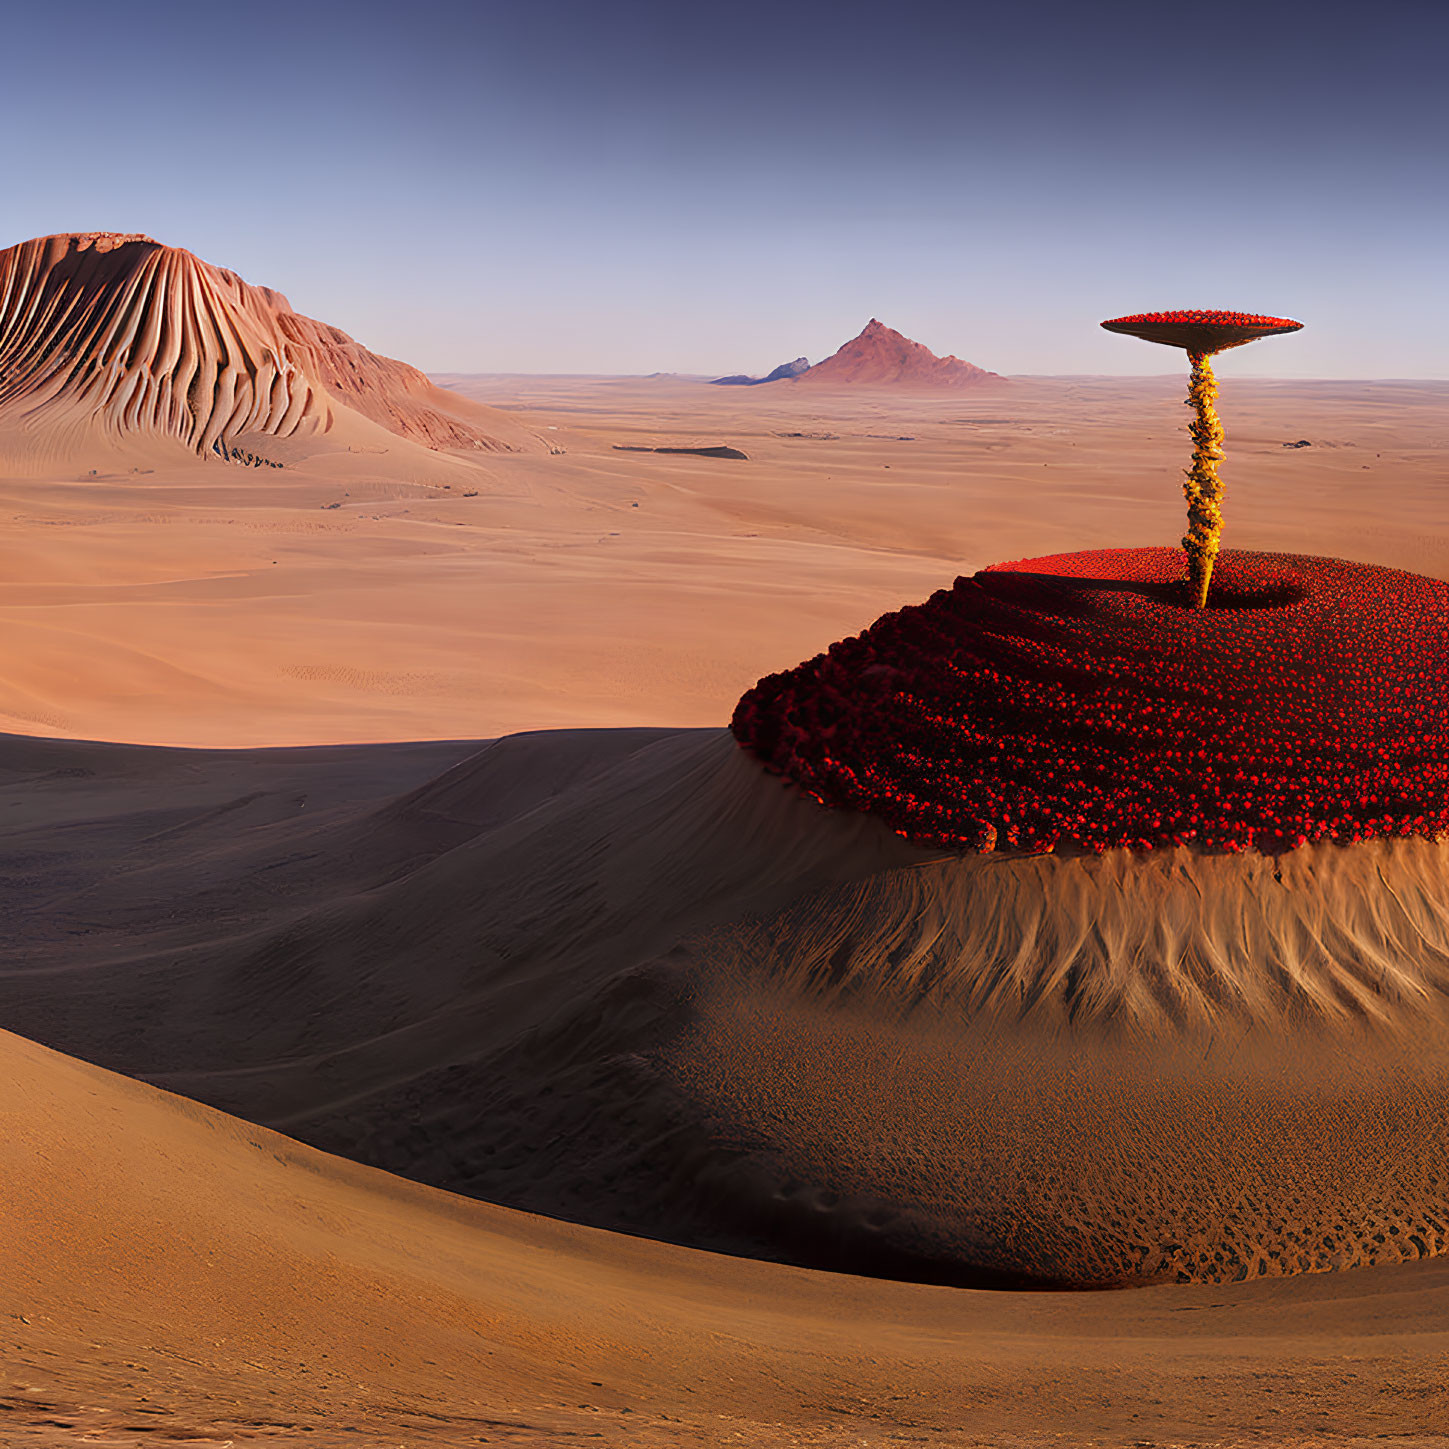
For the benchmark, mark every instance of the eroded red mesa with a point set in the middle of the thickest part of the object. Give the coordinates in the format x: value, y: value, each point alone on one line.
x: 1079, y: 699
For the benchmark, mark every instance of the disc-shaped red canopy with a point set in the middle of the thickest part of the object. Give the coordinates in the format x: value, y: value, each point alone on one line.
x: 1201, y: 331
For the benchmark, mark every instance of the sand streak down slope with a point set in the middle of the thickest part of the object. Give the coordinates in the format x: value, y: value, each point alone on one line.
x: 117, y: 335
x: 628, y: 978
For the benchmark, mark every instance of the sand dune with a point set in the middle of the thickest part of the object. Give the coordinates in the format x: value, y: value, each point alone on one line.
x: 622, y: 977
x: 110, y: 338
x: 630, y: 979
x: 171, y: 1273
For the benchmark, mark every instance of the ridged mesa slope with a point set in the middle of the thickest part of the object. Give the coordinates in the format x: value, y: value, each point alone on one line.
x: 132, y: 337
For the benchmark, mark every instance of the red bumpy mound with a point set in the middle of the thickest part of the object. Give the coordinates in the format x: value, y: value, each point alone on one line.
x: 1080, y: 699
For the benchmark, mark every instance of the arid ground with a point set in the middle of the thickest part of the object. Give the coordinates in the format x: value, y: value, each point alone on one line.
x: 172, y: 1273
x: 354, y: 600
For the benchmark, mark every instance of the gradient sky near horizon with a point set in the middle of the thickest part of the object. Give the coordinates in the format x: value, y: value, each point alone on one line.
x: 627, y: 186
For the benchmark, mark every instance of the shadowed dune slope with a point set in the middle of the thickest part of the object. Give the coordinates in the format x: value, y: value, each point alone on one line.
x: 172, y: 1273
x: 628, y: 978
x: 118, y: 335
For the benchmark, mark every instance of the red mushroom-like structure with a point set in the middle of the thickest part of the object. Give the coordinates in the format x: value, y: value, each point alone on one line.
x: 1201, y: 334
x: 1179, y: 850
x: 1170, y: 860
x: 1164, y: 853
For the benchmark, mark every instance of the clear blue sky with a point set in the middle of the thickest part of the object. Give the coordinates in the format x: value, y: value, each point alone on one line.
x: 632, y: 186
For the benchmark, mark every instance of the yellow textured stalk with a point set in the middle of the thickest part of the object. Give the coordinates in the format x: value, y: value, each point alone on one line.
x: 1203, y: 489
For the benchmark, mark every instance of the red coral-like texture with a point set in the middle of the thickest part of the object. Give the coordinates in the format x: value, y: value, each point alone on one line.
x: 1201, y: 332
x: 1079, y: 701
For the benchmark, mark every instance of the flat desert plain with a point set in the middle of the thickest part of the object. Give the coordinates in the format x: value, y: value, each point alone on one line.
x: 340, y: 599
x: 172, y: 1273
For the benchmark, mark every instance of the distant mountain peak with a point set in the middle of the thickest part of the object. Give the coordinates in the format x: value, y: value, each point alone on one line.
x: 785, y: 370
x: 880, y: 356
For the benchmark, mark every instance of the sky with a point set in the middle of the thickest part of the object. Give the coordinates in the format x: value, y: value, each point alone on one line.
x: 625, y: 186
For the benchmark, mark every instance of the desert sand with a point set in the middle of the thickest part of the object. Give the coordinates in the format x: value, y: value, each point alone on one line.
x: 176, y: 1276
x: 166, y: 605
x: 628, y: 979
x: 663, y: 1045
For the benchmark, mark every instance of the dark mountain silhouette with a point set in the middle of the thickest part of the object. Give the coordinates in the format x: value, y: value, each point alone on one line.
x: 785, y: 369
